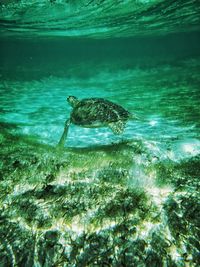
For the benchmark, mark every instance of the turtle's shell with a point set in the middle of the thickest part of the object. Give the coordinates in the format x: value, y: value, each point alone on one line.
x: 96, y: 112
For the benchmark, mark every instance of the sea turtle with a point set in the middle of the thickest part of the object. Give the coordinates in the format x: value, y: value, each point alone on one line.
x: 96, y: 112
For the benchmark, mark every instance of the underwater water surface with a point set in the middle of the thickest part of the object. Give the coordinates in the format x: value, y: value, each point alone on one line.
x: 103, y: 200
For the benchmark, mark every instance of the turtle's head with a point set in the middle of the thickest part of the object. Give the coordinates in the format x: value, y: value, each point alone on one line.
x: 72, y: 100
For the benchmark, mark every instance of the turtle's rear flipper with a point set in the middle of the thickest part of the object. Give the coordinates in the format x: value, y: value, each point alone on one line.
x: 117, y: 127
x: 64, y: 135
x: 135, y: 117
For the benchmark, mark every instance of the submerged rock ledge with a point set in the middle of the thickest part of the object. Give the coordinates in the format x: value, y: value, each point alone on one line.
x: 102, y: 206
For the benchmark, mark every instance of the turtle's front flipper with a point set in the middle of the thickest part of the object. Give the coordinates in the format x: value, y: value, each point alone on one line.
x: 64, y: 135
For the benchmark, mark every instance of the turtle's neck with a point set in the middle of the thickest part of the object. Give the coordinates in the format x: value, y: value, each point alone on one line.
x: 75, y: 103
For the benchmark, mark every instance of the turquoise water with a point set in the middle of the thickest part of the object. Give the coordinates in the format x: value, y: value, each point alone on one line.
x: 158, y: 83
x: 98, y: 19
x: 104, y: 199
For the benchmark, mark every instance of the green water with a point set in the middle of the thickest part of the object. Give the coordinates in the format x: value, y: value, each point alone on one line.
x: 104, y: 199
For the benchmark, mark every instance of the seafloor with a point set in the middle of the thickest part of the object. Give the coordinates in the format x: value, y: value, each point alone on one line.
x: 115, y: 205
